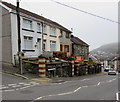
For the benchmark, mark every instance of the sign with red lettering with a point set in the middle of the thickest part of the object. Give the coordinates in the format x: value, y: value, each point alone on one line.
x: 78, y: 58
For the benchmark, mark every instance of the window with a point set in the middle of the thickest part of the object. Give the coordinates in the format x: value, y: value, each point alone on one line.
x: 66, y: 49
x: 28, y: 43
x: 67, y: 35
x: 39, y: 27
x: 44, y: 29
x: 44, y: 45
x: 27, y: 24
x: 52, y: 31
x: 52, y: 45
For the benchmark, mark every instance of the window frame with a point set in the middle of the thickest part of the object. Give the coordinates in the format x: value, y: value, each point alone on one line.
x: 52, y: 31
x: 25, y: 24
x: 53, y: 43
x: 26, y: 41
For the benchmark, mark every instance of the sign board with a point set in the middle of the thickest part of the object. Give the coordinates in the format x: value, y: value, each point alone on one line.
x: 78, y: 58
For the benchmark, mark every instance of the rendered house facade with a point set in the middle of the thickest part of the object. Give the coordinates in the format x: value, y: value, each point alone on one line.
x: 32, y: 26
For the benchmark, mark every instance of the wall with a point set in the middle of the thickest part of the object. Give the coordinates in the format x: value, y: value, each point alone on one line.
x: 6, y: 37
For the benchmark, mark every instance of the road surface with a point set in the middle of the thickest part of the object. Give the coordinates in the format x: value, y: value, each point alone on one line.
x: 94, y: 87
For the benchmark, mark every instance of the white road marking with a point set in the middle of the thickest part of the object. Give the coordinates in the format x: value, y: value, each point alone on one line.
x: 4, y: 88
x: 117, y: 96
x: 85, y: 79
x: 98, y: 84
x: 77, y: 89
x: 16, y: 86
x: 8, y: 90
x: 22, y: 83
x: 65, y: 93
x: 39, y: 98
x: 111, y: 80
x: 84, y: 86
x: 59, y: 94
x: 26, y: 84
x: 12, y: 84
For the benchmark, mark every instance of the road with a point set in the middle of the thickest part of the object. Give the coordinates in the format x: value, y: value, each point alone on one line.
x: 95, y: 87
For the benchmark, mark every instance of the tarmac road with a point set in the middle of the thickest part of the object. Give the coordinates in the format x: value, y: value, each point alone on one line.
x: 95, y: 87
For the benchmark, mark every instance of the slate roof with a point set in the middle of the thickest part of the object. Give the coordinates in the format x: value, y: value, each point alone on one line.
x: 35, y: 15
x: 78, y: 41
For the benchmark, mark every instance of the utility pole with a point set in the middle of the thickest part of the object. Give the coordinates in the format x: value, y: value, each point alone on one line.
x: 19, y: 38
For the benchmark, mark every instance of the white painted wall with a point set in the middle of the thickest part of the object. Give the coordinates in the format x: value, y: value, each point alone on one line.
x: 14, y: 35
x: 34, y: 34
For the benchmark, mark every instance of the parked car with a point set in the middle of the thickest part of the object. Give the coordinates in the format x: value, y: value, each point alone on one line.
x: 112, y: 72
x: 106, y: 69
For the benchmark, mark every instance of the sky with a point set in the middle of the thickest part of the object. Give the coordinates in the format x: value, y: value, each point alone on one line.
x: 91, y: 29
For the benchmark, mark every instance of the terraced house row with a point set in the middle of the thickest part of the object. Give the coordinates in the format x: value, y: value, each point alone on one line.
x: 38, y: 35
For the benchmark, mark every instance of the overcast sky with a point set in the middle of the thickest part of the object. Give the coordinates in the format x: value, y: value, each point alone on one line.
x: 93, y: 30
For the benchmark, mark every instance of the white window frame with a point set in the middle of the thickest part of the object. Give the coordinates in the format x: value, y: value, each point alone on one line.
x: 27, y: 24
x: 52, y: 44
x: 53, y: 31
x: 28, y: 43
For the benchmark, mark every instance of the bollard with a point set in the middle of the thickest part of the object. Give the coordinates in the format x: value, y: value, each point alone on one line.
x: 41, y: 66
x: 72, y: 62
x: 77, y: 67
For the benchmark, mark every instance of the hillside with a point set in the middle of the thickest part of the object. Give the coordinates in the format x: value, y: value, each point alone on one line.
x: 104, y: 52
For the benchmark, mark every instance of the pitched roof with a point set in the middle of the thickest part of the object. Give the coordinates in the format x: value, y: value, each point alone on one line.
x: 35, y: 15
x: 78, y: 41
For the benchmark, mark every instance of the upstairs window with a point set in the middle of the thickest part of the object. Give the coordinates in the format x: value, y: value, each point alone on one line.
x: 27, y: 24
x: 39, y: 27
x: 52, y: 31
